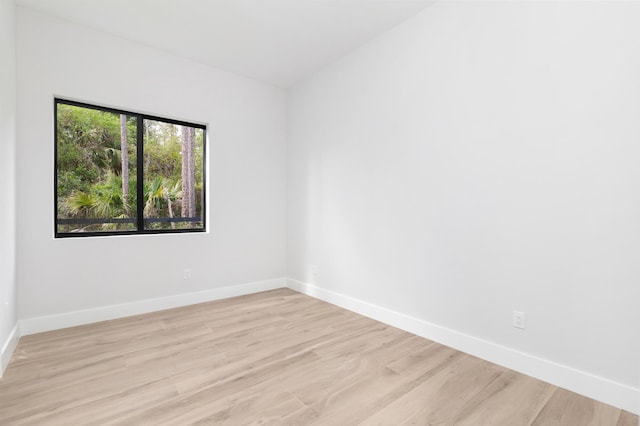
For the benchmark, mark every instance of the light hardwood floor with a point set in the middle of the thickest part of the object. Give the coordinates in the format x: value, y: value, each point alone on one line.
x: 277, y: 357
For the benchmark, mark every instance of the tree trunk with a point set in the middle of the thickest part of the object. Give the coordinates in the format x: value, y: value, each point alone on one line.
x: 188, y: 173
x: 124, y: 155
x: 166, y: 196
x: 192, y: 173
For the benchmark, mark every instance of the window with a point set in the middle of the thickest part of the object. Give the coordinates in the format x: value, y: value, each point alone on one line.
x: 120, y: 173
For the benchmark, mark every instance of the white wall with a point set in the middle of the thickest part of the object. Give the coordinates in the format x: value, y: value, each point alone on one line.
x: 480, y: 158
x: 7, y: 177
x: 247, y: 131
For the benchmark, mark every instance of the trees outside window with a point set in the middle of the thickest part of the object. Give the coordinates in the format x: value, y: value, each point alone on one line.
x: 120, y: 172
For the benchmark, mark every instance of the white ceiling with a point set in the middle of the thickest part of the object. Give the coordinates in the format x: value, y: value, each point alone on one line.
x: 275, y: 41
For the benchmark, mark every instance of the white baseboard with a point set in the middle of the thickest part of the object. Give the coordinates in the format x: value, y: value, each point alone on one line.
x: 103, y: 313
x: 584, y: 383
x: 9, y: 347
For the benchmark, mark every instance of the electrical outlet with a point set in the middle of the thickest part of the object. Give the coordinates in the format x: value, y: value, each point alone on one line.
x: 186, y: 274
x: 518, y: 319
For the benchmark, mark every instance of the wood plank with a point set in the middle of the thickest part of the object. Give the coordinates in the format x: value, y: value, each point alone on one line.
x: 628, y: 419
x: 512, y: 399
x: 569, y: 408
x: 277, y: 357
x: 437, y: 400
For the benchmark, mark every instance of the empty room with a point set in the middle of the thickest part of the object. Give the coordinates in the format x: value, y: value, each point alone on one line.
x: 319, y: 212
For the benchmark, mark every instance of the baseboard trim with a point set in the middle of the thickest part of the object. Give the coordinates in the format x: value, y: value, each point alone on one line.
x: 9, y: 347
x: 104, y: 313
x: 584, y: 383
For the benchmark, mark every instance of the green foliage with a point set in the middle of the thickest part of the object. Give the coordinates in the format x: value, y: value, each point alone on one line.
x: 89, y: 169
x: 88, y: 147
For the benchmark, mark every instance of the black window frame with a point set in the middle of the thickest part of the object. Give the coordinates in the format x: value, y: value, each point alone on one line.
x: 139, y: 220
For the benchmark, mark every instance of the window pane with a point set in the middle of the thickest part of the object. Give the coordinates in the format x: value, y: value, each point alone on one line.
x: 173, y: 176
x: 95, y: 170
